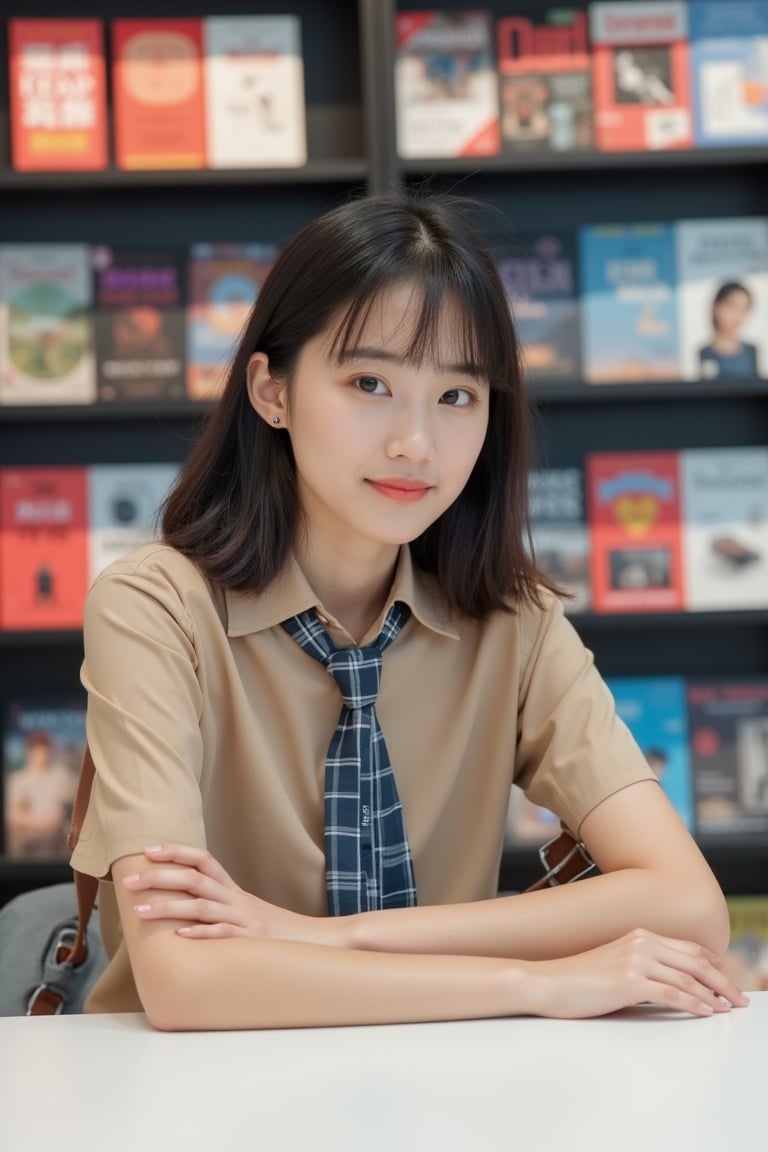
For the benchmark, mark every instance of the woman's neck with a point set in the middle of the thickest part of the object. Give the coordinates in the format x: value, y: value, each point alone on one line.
x: 351, y: 584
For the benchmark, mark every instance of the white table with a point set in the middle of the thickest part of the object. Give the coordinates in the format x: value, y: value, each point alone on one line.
x: 639, y: 1081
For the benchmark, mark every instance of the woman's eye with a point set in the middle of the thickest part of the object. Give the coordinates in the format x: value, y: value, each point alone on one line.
x: 371, y: 385
x: 457, y: 397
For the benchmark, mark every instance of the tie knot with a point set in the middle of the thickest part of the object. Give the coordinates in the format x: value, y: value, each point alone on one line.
x: 357, y: 671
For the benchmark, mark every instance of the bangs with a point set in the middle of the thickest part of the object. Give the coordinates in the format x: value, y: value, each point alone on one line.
x: 481, y: 342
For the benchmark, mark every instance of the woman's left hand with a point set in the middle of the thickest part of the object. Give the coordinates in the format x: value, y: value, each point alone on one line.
x: 190, y: 885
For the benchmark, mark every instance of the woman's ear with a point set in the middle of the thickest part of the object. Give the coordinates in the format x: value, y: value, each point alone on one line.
x: 267, y: 396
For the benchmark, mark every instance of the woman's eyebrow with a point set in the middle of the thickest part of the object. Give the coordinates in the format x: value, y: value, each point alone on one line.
x: 370, y: 352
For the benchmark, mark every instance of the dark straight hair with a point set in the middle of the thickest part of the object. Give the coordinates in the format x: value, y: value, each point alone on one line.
x: 234, y: 510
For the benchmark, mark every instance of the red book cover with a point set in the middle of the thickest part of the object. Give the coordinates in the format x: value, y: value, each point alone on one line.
x: 635, y: 531
x: 640, y: 75
x: 158, y: 93
x: 57, y: 94
x: 43, y: 548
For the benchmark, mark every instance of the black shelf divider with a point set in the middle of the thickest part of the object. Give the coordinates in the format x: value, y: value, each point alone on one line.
x: 583, y: 161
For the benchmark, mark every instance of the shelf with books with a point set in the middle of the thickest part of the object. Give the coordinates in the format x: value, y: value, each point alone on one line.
x: 577, y: 392
x: 510, y: 165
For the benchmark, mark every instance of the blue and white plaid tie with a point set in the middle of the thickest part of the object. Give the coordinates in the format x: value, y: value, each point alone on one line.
x: 368, y: 862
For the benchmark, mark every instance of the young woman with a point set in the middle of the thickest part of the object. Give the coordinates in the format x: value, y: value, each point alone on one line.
x: 357, y: 506
x: 728, y: 354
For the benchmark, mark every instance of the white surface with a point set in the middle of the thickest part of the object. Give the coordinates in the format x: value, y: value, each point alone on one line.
x: 640, y: 1080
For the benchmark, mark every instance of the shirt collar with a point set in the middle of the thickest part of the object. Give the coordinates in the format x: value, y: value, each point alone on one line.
x: 290, y: 593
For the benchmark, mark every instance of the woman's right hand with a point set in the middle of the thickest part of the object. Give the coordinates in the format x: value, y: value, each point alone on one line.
x: 638, y: 968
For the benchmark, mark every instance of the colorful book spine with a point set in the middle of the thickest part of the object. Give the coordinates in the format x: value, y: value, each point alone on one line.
x: 57, y: 94
x: 729, y: 60
x: 545, y: 81
x: 157, y: 84
x: 446, y: 86
x: 641, y: 72
x: 629, y: 303
x: 635, y: 531
x: 43, y: 548
x: 254, y: 92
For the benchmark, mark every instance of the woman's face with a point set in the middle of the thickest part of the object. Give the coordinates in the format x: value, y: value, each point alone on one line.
x: 383, y: 446
x: 731, y: 312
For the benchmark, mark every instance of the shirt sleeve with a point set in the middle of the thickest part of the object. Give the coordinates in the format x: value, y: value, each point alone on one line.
x: 143, y: 718
x: 573, y: 750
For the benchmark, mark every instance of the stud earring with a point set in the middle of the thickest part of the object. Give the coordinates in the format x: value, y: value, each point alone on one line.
x: 275, y: 419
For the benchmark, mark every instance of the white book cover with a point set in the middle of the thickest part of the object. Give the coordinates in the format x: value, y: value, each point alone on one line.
x: 46, y: 349
x: 254, y: 92
x: 123, y: 505
x: 446, y: 85
x: 559, y: 529
x: 722, y: 268
x: 725, y: 528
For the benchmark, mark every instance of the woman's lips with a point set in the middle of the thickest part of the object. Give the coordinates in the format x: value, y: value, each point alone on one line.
x: 406, y: 491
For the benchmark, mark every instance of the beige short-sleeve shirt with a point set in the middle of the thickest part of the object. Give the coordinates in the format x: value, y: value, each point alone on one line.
x: 209, y: 725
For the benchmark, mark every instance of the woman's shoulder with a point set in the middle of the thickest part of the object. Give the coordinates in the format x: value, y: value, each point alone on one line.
x: 157, y: 571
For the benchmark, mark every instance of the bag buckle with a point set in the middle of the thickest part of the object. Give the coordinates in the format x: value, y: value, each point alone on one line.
x: 569, y: 866
x: 54, y: 1002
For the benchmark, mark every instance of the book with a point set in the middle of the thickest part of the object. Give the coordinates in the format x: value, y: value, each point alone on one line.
x: 655, y: 711
x: 446, y: 89
x: 722, y: 270
x: 729, y: 66
x: 46, y: 345
x: 157, y: 85
x: 140, y: 324
x: 254, y: 92
x: 725, y: 528
x: 559, y: 529
x: 746, y: 958
x: 539, y: 272
x: 728, y: 727
x: 57, y: 95
x: 124, y: 502
x: 629, y: 303
x: 633, y: 501
x: 223, y: 282
x: 641, y: 75
x: 43, y: 550
x: 43, y: 743
x: 545, y: 81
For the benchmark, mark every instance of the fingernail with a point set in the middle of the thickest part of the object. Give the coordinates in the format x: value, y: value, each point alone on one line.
x: 154, y: 848
x: 142, y: 907
x: 183, y: 931
x: 128, y: 880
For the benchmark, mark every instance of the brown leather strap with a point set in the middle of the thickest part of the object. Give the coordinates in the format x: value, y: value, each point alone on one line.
x: 565, y: 859
x: 46, y: 1001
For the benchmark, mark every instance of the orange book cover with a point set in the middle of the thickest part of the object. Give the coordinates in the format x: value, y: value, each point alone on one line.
x: 635, y: 531
x: 640, y: 75
x: 43, y: 548
x: 57, y: 95
x: 158, y: 93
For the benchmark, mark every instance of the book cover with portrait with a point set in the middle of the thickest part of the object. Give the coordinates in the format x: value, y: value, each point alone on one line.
x: 446, y: 88
x: 725, y: 528
x: 728, y: 727
x: 157, y: 86
x: 729, y: 72
x: 723, y: 297
x: 540, y: 276
x: 545, y: 81
x: 124, y: 502
x: 633, y: 501
x: 46, y: 338
x: 654, y: 709
x: 254, y: 92
x: 559, y: 529
x: 43, y: 743
x: 43, y: 548
x: 641, y: 75
x: 629, y: 303
x: 57, y: 95
x: 140, y: 324
x: 223, y: 282
x: 746, y: 957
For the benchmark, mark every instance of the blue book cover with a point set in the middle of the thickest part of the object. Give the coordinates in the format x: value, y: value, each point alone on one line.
x: 729, y: 72
x: 629, y: 303
x: 655, y: 711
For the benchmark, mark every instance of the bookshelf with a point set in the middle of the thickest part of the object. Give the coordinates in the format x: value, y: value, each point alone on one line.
x: 349, y: 58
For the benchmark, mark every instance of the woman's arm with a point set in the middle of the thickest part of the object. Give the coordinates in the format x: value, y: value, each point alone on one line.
x: 258, y: 982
